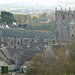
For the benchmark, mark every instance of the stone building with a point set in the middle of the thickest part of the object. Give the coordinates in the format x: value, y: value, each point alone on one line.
x: 65, y: 25
x: 24, y: 39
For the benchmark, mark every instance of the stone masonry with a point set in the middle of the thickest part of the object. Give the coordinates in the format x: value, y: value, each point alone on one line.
x: 65, y: 25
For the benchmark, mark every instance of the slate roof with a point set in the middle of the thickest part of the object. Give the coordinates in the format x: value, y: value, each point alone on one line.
x: 19, y: 32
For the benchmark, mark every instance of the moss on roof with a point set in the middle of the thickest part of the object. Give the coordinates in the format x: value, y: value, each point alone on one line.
x: 19, y: 32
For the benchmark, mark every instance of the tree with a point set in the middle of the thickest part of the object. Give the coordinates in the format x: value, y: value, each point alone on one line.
x: 22, y: 25
x: 43, y: 17
x: 7, y: 17
x: 71, y: 51
x: 28, y: 18
x: 35, y: 18
x: 51, y: 16
x: 21, y: 18
x: 36, y: 66
x: 45, y: 64
x: 63, y: 62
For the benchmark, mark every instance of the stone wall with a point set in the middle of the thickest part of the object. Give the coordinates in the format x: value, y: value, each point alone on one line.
x: 23, y: 43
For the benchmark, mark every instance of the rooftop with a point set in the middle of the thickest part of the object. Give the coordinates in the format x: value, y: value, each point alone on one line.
x: 19, y: 32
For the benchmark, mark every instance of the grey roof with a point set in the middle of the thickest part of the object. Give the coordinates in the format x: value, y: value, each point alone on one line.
x: 19, y: 32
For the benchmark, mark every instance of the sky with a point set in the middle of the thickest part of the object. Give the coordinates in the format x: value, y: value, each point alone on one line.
x: 33, y: 1
x: 62, y: 3
x: 39, y: 1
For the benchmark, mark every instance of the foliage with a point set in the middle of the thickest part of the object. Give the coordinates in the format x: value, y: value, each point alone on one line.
x: 36, y: 67
x: 71, y: 51
x: 22, y: 25
x: 29, y: 18
x: 44, y: 31
x: 51, y: 16
x: 21, y: 18
x: 43, y: 26
x: 44, y: 64
x: 34, y: 18
x: 63, y: 62
x: 7, y: 17
x: 43, y: 17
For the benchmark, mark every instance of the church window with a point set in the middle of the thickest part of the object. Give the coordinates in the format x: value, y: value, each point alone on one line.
x: 21, y: 39
x: 18, y: 42
x: 0, y: 39
x: 11, y: 42
x: 63, y: 16
x: 14, y: 40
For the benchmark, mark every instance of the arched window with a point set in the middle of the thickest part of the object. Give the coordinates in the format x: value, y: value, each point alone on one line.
x: 18, y: 42
x: 0, y: 39
x: 63, y: 16
x: 21, y: 39
x: 14, y: 40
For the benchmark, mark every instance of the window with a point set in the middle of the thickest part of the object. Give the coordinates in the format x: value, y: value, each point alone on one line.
x: 14, y: 40
x: 72, y: 16
x: 18, y: 42
x: 21, y: 40
x: 72, y: 27
x: 63, y: 16
x: 0, y: 39
x: 11, y: 42
x: 72, y: 35
x: 28, y: 45
x: 4, y: 40
x: 64, y: 25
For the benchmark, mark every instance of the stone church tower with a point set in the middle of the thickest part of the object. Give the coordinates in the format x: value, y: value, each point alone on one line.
x: 65, y: 25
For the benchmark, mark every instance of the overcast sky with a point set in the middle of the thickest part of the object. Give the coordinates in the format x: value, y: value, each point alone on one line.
x: 38, y: 1
x: 62, y: 3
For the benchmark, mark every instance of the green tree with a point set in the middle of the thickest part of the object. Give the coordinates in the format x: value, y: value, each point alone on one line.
x: 28, y: 18
x: 51, y: 16
x: 63, y: 65
x: 35, y: 18
x: 21, y: 18
x: 43, y: 17
x: 45, y: 64
x: 71, y: 51
x: 7, y: 17
x: 22, y: 25
x: 36, y: 66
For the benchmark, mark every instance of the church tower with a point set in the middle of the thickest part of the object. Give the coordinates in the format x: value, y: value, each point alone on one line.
x: 62, y: 25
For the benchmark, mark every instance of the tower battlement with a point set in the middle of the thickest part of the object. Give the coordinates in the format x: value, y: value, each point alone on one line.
x: 65, y: 24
